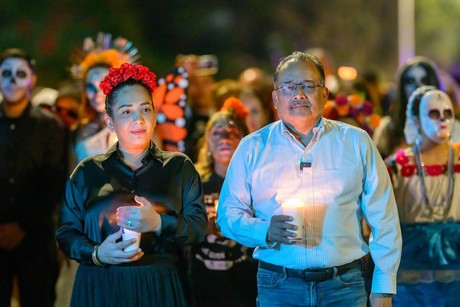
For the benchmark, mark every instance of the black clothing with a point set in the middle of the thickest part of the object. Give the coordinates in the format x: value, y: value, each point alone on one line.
x: 222, y: 272
x: 101, y: 184
x: 33, y: 168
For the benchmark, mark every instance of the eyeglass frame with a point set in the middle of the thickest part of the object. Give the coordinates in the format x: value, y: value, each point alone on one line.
x: 310, y: 85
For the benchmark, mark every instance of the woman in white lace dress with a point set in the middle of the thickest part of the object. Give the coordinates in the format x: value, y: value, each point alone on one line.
x: 426, y: 180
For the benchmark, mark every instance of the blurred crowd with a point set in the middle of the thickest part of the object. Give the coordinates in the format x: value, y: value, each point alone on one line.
x: 204, y: 118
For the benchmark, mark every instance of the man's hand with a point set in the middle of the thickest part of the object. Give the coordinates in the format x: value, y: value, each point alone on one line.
x: 279, y: 229
x: 381, y: 300
x: 11, y: 235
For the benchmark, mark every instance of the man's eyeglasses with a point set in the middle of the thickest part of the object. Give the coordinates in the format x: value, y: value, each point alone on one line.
x: 308, y: 87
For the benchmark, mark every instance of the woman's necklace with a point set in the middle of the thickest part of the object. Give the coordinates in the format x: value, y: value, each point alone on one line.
x: 450, y: 174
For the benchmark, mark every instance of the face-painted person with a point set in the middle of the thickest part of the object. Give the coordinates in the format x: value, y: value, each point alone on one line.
x: 426, y: 180
x: 132, y: 187
x: 33, y: 167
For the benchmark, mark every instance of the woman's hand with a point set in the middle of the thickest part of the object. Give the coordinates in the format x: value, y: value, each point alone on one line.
x: 111, y: 252
x: 142, y: 218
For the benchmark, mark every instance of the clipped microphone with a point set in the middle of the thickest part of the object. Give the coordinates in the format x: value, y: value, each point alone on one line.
x: 305, y: 161
x: 304, y: 164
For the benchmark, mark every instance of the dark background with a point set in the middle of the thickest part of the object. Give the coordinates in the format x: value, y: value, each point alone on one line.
x: 361, y: 33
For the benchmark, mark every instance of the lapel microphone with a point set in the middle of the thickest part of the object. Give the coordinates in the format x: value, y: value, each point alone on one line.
x: 304, y: 164
x: 305, y: 161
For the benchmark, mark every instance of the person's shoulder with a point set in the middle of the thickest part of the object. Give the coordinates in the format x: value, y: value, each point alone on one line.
x: 344, y: 129
x: 40, y: 112
x: 263, y: 134
x: 45, y: 116
x: 168, y: 156
x: 86, y: 166
x: 402, y: 157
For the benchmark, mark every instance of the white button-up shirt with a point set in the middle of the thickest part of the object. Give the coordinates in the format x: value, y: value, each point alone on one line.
x: 346, y: 180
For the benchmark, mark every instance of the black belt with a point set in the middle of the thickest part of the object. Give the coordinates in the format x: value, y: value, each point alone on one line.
x: 312, y: 274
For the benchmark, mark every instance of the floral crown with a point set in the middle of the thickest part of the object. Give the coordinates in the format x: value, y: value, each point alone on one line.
x: 234, y: 105
x: 104, y: 51
x: 355, y: 107
x: 126, y: 71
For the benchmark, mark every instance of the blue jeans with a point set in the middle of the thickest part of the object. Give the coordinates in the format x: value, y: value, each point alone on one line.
x: 279, y: 290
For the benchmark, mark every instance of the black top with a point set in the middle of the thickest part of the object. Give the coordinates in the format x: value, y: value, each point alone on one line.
x: 222, y: 272
x: 101, y: 184
x: 33, y: 169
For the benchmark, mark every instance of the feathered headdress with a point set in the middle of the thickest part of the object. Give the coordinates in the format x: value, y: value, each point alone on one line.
x: 104, y: 51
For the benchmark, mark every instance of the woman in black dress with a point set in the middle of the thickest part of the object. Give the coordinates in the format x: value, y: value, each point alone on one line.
x: 222, y: 272
x: 165, y: 195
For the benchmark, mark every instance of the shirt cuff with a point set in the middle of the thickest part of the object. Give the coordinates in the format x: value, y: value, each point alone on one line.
x: 260, y: 231
x: 383, y: 283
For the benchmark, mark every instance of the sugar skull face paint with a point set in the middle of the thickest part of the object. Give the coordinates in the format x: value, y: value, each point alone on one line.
x: 436, y: 116
x: 16, y: 79
x: 95, y: 95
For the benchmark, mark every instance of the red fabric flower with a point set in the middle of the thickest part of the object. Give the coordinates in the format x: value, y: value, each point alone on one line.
x: 408, y: 170
x: 341, y: 100
x: 127, y: 71
x: 235, y: 105
x: 457, y: 168
x: 434, y: 170
x: 401, y: 158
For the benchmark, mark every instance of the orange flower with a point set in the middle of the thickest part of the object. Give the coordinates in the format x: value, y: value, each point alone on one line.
x: 343, y: 110
x: 374, y: 121
x: 355, y: 100
x: 235, y: 105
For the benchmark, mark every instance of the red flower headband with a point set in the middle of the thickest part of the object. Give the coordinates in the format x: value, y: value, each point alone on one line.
x: 125, y: 72
x: 235, y: 105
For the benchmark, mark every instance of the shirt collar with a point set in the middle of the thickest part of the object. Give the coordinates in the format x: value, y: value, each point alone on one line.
x: 152, y: 153
x: 317, y: 129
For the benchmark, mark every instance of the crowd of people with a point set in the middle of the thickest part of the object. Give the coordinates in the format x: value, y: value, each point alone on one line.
x: 202, y: 172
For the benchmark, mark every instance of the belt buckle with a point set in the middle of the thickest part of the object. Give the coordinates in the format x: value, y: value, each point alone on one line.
x: 317, y: 275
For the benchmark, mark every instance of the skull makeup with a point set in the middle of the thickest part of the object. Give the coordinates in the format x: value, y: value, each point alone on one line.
x: 415, y: 77
x: 95, y: 96
x: 436, y: 116
x: 16, y: 79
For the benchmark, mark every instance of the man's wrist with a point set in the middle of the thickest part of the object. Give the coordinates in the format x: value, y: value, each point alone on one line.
x: 381, y: 295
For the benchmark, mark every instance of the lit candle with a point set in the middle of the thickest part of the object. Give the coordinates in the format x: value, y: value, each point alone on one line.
x: 295, y: 207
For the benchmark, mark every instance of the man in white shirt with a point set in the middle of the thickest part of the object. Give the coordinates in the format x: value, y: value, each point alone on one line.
x: 336, y: 172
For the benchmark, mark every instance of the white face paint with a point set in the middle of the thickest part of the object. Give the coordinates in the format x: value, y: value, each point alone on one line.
x: 415, y: 77
x: 95, y: 95
x: 436, y: 116
x: 16, y: 80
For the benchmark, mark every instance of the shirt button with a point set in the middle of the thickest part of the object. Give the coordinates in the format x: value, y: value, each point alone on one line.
x: 12, y: 126
x: 11, y: 180
x: 132, y: 191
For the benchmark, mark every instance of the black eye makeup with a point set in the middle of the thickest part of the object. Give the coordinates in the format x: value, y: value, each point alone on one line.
x: 436, y: 114
x: 8, y: 73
